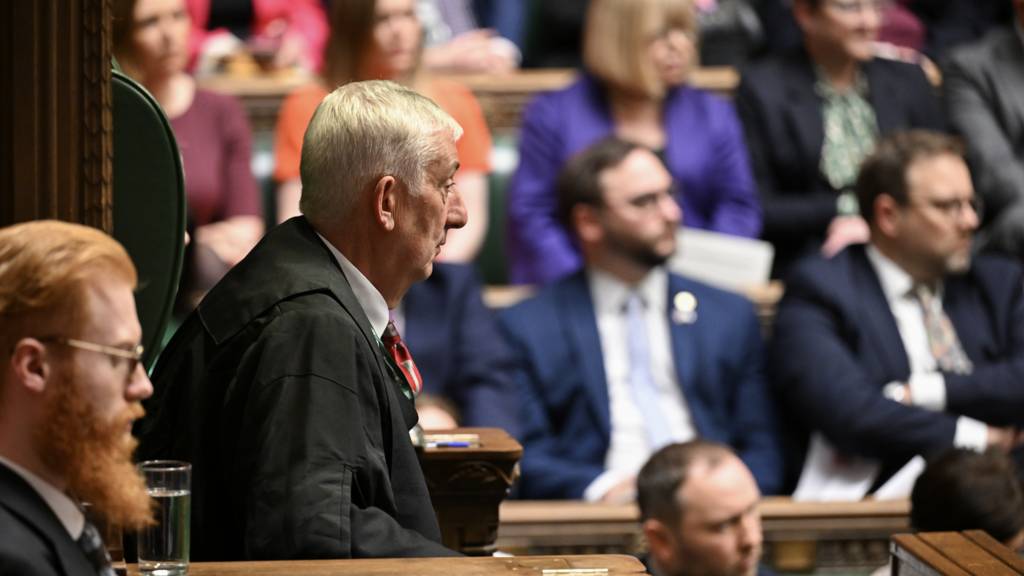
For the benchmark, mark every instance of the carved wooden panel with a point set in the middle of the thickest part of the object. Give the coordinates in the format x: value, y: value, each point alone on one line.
x: 55, y: 119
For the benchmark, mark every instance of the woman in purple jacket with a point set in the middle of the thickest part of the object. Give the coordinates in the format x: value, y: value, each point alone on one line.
x: 638, y: 55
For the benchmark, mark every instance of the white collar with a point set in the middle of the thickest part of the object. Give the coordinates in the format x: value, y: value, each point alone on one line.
x: 896, y: 283
x: 609, y: 293
x: 369, y: 298
x: 63, y: 507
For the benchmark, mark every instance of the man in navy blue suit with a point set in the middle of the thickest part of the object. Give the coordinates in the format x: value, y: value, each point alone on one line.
x: 907, y: 345
x: 624, y: 357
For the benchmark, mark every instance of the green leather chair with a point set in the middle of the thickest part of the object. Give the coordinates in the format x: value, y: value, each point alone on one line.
x: 149, y: 205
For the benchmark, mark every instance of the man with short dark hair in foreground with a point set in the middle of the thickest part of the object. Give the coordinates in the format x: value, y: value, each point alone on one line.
x: 70, y: 387
x: 699, y: 511
x: 279, y: 389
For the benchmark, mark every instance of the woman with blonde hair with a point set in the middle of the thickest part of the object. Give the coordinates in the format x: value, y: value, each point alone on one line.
x: 638, y: 55
x: 382, y: 39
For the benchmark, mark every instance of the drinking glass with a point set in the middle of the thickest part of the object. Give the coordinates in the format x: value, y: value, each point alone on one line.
x: 163, y: 547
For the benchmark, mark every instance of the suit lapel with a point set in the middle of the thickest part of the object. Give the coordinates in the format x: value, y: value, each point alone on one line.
x: 23, y: 501
x: 805, y: 114
x: 874, y: 308
x: 1008, y: 73
x: 881, y: 98
x: 585, y: 342
x: 684, y: 352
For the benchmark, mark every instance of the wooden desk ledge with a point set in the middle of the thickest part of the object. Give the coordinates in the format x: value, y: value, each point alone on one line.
x: 614, y: 564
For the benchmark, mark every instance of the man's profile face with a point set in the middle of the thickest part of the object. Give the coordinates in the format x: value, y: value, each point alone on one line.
x: 639, y: 215
x: 720, y: 531
x: 427, y: 215
x: 90, y: 403
x: 936, y: 226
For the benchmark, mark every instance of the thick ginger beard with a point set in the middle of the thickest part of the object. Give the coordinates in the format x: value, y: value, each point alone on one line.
x: 94, y: 457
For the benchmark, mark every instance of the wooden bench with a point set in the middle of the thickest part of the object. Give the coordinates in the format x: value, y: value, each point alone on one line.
x: 799, y: 536
x: 969, y: 553
x: 502, y: 96
x: 549, y: 565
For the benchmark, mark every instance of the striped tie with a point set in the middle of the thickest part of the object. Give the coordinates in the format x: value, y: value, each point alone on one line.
x: 403, y: 358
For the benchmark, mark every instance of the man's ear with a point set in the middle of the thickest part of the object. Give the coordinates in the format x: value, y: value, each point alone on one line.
x: 385, y: 196
x: 587, y: 223
x: 660, y: 541
x: 888, y: 214
x: 30, y: 366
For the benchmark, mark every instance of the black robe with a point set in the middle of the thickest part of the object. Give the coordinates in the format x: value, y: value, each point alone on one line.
x: 279, y: 393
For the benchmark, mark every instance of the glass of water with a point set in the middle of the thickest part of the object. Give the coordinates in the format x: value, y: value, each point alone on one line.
x: 163, y: 547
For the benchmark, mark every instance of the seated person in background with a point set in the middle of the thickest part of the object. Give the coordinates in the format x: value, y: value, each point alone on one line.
x: 983, y: 90
x: 278, y: 388
x: 454, y: 43
x: 812, y: 115
x: 382, y: 39
x: 623, y: 357
x: 965, y: 490
x: 212, y: 130
x: 465, y: 364
x: 638, y: 54
x: 287, y: 33
x: 904, y: 346
x: 699, y: 511
x: 70, y: 386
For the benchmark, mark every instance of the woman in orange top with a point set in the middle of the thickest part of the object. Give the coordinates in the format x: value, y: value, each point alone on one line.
x: 373, y: 39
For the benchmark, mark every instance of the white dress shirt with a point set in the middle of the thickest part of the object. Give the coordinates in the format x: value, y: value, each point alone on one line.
x: 63, y: 507
x: 369, y: 298
x: 927, y: 385
x: 629, y: 445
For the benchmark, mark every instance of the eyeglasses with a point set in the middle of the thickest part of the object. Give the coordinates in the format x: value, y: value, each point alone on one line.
x: 956, y: 208
x: 133, y: 356
x: 851, y: 7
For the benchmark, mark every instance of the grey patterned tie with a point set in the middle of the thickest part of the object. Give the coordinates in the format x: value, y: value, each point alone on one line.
x: 92, y: 545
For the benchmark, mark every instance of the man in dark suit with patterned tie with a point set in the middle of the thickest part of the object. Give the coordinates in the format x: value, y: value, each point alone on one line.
x: 907, y: 345
x: 70, y: 387
x: 624, y: 357
x: 278, y: 388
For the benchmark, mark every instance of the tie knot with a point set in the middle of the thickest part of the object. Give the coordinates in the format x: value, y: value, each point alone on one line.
x: 634, y: 303
x: 391, y: 335
x: 924, y: 293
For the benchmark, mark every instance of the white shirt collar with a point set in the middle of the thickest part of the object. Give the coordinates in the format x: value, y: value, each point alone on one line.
x: 369, y: 298
x: 63, y: 507
x: 895, y: 281
x: 609, y: 293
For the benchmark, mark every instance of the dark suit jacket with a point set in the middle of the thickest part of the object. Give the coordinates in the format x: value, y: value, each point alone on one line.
x: 458, y: 349
x: 782, y: 117
x: 983, y: 85
x: 278, y: 392
x: 836, y: 345
x: 33, y: 542
x: 560, y: 372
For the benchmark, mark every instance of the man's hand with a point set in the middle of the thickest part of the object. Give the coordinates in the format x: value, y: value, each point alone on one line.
x: 843, y: 231
x: 622, y: 493
x: 1004, y: 439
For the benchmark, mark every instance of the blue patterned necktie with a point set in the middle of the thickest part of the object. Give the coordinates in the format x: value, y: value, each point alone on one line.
x: 92, y: 546
x: 641, y: 381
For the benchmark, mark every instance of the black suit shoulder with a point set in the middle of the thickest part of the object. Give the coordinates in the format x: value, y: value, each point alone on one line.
x: 23, y: 548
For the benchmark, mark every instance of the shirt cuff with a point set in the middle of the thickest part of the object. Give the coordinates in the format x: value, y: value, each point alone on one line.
x: 928, y: 390
x: 971, y: 434
x: 603, y: 483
